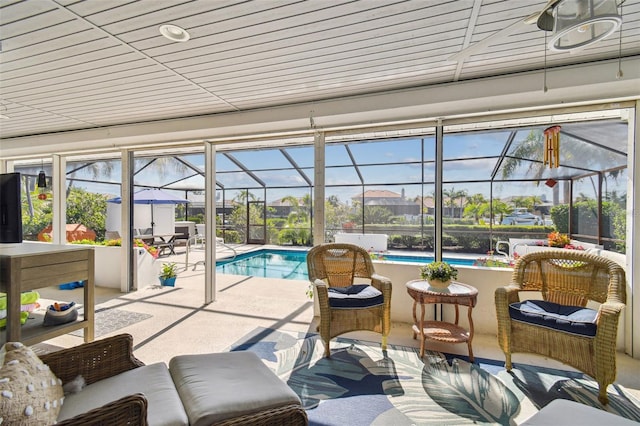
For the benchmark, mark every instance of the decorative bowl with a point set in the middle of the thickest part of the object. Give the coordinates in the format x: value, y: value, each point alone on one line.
x: 439, y: 284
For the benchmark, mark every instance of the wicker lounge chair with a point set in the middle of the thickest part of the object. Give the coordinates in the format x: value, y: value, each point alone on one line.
x: 338, y: 271
x: 104, y: 359
x: 567, y: 279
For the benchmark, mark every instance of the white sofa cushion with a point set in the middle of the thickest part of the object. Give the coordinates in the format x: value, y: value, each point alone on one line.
x: 154, y: 381
x: 220, y: 386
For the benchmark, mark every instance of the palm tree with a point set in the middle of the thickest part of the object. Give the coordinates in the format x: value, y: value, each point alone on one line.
x: 500, y: 208
x: 520, y: 202
x: 462, y: 194
x: 451, y: 195
x: 298, y: 213
x: 473, y: 210
x: 473, y: 207
x: 529, y: 150
x: 239, y: 215
x: 533, y: 201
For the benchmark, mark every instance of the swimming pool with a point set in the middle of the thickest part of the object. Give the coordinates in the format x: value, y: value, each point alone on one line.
x: 292, y: 264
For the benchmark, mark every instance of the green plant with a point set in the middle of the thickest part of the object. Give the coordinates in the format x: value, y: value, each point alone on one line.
x: 169, y: 270
x: 438, y: 271
x: 309, y: 291
x: 490, y: 262
x: 118, y: 243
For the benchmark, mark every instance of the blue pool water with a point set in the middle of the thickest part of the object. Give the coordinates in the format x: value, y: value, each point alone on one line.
x: 292, y: 264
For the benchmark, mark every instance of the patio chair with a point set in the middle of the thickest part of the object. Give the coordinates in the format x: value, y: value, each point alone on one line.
x: 561, y: 326
x: 165, y: 246
x: 350, y: 294
x: 144, y: 234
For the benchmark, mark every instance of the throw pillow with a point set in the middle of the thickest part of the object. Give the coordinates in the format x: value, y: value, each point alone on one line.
x: 30, y: 394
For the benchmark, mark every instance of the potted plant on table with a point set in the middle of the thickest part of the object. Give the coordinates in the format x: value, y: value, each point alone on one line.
x: 439, y: 274
x: 168, y: 274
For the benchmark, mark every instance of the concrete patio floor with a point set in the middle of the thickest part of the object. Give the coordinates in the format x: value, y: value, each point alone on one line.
x: 181, y: 323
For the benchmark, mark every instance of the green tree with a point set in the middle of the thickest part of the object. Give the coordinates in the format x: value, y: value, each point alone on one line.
x: 238, y: 216
x: 300, y: 212
x: 297, y: 231
x: 473, y: 210
x: 449, y: 199
x: 533, y: 201
x: 529, y: 150
x: 88, y: 209
x: 520, y: 202
x: 560, y: 217
x: 500, y: 208
x: 377, y: 214
x: 474, y: 207
x: 335, y: 213
x: 461, y: 195
x: 36, y: 218
x: 98, y: 170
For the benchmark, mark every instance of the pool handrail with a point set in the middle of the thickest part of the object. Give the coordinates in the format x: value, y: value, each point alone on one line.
x: 194, y: 239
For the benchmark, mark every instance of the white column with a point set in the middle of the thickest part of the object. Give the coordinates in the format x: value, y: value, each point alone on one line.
x: 127, y: 282
x: 632, y: 311
x: 438, y: 192
x: 58, y: 183
x: 210, y: 220
x: 318, y: 187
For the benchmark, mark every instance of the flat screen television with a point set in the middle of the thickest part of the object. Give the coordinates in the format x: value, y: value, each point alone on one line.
x: 10, y: 208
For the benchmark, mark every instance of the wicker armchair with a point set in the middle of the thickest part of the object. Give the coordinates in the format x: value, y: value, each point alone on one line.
x: 339, y: 267
x: 567, y: 278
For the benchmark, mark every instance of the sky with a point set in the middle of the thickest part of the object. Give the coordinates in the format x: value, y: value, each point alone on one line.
x: 393, y: 165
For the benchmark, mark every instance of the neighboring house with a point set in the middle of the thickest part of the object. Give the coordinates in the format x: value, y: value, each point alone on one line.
x: 450, y: 209
x: 280, y: 208
x: 197, y: 201
x: 396, y: 203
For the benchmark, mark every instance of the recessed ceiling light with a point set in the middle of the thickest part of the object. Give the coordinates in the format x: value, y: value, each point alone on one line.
x: 174, y: 33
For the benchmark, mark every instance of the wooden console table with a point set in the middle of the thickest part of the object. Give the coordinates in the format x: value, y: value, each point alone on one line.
x: 29, y: 266
x: 456, y: 294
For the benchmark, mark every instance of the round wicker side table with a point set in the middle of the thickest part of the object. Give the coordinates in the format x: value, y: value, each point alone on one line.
x: 442, y: 331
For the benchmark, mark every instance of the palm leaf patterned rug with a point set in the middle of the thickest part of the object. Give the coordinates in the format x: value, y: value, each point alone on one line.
x: 362, y: 385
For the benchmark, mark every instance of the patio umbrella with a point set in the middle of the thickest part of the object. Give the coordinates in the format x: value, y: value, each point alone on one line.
x: 152, y: 196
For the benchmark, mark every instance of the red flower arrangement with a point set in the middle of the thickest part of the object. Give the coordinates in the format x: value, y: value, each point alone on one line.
x: 557, y: 239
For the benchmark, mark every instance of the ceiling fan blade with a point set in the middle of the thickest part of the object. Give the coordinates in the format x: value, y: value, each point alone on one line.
x: 487, y: 41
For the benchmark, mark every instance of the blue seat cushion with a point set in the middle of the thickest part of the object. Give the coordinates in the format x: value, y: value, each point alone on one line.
x: 571, y: 319
x: 355, y: 296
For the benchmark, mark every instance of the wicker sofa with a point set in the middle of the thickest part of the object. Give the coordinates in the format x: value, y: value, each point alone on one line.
x: 211, y: 396
x: 562, y: 326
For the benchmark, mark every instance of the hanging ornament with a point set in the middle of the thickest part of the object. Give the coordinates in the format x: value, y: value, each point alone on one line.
x: 42, y: 180
x: 551, y: 155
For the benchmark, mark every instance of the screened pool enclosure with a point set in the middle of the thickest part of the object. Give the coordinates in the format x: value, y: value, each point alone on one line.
x: 483, y: 183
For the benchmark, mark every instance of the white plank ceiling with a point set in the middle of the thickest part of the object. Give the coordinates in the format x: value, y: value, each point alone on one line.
x: 79, y: 64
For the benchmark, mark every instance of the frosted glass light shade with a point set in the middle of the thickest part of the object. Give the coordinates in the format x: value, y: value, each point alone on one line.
x: 579, y: 23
